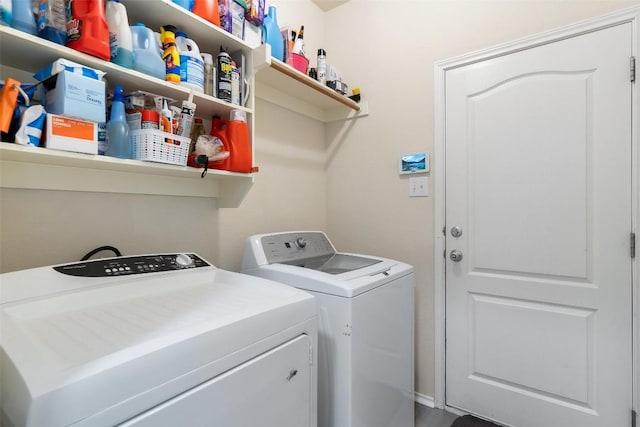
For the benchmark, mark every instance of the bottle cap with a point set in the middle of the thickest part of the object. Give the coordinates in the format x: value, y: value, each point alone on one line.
x: 118, y: 93
x: 238, y: 115
x: 322, y: 52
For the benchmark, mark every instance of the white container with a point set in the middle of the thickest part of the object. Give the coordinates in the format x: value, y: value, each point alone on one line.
x: 191, y: 63
x: 120, y: 41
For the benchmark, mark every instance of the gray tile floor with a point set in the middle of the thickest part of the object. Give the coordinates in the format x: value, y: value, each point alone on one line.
x: 429, y: 417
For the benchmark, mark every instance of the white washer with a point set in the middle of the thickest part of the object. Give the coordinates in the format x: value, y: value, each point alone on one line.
x: 365, y: 325
x: 155, y: 340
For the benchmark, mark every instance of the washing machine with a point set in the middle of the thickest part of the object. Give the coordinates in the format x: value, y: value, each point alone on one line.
x: 155, y: 340
x: 365, y: 325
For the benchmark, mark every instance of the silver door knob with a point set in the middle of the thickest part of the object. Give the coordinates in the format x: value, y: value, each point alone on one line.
x: 456, y: 231
x: 455, y: 255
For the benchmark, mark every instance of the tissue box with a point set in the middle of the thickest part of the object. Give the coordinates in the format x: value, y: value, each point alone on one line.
x: 74, y: 95
x: 65, y: 133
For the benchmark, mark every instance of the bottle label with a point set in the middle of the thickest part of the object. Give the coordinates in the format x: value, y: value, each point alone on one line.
x: 113, y: 44
x: 191, y: 71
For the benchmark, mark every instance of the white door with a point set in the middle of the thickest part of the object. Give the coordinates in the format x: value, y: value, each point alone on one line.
x: 538, y: 180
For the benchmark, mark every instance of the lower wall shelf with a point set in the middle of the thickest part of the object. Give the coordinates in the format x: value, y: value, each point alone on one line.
x: 44, y: 169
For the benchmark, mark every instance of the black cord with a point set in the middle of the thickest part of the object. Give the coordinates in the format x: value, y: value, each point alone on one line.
x: 203, y: 160
x: 100, y: 249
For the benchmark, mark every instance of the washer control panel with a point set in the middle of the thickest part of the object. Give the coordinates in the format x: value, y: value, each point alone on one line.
x: 287, y: 247
x: 127, y: 265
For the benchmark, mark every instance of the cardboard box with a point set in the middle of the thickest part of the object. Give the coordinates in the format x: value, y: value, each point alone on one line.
x: 75, y: 95
x: 65, y: 133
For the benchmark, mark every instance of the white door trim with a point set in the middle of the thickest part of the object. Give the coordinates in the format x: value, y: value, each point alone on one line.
x: 631, y: 15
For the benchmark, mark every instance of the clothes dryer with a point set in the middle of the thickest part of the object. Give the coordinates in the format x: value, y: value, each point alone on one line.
x: 365, y: 310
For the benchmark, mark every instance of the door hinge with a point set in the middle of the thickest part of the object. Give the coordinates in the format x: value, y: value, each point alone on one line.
x: 632, y: 245
x: 632, y: 66
x: 634, y: 417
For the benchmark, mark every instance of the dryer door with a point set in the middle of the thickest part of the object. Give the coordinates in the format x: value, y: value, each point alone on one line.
x: 273, y: 389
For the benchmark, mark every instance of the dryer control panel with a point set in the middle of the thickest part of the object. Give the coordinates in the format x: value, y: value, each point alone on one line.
x: 290, y: 247
x: 127, y: 265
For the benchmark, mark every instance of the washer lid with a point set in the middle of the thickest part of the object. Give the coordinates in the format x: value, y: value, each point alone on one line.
x: 336, y: 263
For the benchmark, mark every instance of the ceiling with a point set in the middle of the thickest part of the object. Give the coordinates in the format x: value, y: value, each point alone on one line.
x: 327, y: 5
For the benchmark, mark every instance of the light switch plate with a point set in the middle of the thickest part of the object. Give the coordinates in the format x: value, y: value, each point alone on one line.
x: 419, y: 187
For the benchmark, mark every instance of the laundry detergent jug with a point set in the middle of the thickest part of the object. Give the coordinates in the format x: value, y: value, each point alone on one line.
x: 234, y: 135
x: 87, y: 28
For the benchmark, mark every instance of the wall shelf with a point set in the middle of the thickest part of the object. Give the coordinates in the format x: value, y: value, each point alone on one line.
x: 283, y: 85
x: 28, y: 167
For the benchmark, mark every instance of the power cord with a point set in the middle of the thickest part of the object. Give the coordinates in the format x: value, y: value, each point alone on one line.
x: 100, y: 249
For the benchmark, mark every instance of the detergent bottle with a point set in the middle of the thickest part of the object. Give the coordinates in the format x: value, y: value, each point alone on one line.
x: 170, y: 54
x: 120, y: 43
x: 87, y: 28
x: 207, y: 9
x: 191, y: 63
x: 52, y: 20
x: 235, y: 138
x: 23, y: 18
x: 147, y: 58
x: 185, y: 4
x: 272, y: 35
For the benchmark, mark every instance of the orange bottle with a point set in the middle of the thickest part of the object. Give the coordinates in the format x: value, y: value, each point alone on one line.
x: 207, y: 9
x: 234, y: 135
x: 87, y: 28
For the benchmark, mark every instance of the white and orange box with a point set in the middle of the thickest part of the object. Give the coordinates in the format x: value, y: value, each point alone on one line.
x: 65, y: 133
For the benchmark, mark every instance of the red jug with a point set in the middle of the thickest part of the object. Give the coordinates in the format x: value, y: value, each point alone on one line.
x: 234, y: 135
x: 87, y: 28
x: 207, y: 9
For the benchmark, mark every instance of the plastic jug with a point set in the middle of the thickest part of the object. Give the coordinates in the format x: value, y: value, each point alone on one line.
x: 22, y: 17
x: 52, y: 20
x: 5, y: 12
x: 87, y: 28
x: 120, y: 43
x: 234, y: 135
x: 272, y: 35
x: 207, y: 9
x: 170, y: 53
x: 147, y: 58
x: 191, y: 63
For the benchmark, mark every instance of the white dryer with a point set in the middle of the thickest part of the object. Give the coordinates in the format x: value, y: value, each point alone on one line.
x: 155, y: 340
x: 365, y: 325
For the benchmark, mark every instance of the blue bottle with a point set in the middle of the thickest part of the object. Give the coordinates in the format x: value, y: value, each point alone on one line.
x: 272, y: 35
x: 187, y: 4
x: 5, y: 12
x: 147, y: 57
x: 118, y: 129
x: 23, y: 18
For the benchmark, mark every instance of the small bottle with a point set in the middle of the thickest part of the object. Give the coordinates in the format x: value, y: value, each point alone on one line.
x: 235, y: 84
x: 209, y: 81
x: 322, y: 66
x: 118, y: 129
x: 197, y: 130
x: 170, y: 53
x: 298, y: 45
x: 23, y: 18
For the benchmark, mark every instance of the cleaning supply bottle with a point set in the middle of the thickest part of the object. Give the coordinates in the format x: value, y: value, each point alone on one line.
x: 22, y: 17
x: 234, y: 135
x: 191, y: 63
x: 118, y: 129
x: 147, y: 57
x: 322, y: 66
x: 186, y: 4
x: 87, y: 28
x: 6, y: 7
x: 52, y: 20
x: 224, y: 69
x: 120, y: 38
x: 208, y: 10
x: 170, y: 54
x: 272, y: 35
x: 209, y: 74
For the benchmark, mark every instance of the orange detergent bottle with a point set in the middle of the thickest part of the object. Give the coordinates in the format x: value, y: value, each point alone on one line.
x: 207, y: 9
x: 87, y: 28
x: 234, y: 135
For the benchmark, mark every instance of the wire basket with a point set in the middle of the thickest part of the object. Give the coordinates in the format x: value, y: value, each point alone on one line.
x: 155, y: 146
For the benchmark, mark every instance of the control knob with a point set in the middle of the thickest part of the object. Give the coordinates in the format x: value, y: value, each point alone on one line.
x: 184, y: 260
x: 301, y: 243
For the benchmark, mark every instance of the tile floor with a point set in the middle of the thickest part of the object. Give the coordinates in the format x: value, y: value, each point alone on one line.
x: 429, y: 417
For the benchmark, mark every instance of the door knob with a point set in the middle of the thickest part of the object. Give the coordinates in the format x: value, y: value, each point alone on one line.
x: 456, y: 231
x: 455, y: 255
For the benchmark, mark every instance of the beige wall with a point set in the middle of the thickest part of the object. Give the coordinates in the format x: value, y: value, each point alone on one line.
x: 341, y: 178
x: 388, y: 49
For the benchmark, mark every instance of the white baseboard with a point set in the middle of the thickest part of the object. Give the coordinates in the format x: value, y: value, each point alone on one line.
x: 424, y: 400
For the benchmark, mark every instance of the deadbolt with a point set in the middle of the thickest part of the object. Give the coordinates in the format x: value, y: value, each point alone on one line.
x: 455, y: 255
x: 456, y: 231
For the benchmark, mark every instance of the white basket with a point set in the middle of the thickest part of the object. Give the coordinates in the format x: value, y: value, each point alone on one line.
x: 153, y: 145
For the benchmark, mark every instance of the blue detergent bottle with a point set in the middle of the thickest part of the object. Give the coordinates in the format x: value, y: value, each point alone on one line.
x: 272, y: 35
x: 187, y: 4
x: 118, y: 129
x: 23, y: 18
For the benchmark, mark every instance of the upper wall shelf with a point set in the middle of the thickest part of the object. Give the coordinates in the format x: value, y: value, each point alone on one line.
x: 281, y: 84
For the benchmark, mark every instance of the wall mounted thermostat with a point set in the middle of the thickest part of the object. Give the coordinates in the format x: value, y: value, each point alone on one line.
x: 414, y: 163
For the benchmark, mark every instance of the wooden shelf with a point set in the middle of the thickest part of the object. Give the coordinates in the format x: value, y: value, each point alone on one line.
x: 28, y: 167
x: 283, y: 85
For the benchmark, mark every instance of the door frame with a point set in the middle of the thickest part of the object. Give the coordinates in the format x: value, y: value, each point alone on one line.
x: 628, y: 15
